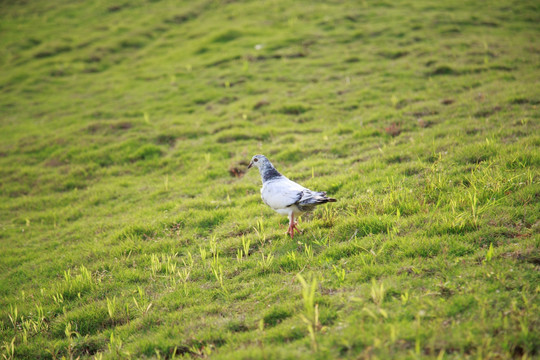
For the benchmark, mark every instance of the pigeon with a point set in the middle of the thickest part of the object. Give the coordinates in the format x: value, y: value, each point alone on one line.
x: 285, y: 196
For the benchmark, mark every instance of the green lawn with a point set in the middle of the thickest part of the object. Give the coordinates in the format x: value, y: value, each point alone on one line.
x: 130, y: 228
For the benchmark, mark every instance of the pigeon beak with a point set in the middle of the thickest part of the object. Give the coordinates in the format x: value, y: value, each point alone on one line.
x: 250, y: 165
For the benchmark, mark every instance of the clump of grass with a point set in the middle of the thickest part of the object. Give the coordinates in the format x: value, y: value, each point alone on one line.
x: 115, y: 345
x: 217, y: 271
x: 71, y: 335
x: 308, y: 251
x: 444, y: 70
x: 227, y: 36
x: 293, y: 109
x: 265, y: 262
x: 244, y: 251
x: 146, y: 152
x: 75, y: 285
x: 378, y: 292
x: 489, y: 254
x: 339, y: 273
x: 141, y: 302
x: 8, y: 349
x: 112, y: 308
x: 275, y: 316
x: 310, y: 314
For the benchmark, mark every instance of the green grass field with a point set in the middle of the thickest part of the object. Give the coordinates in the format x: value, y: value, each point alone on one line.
x: 130, y: 229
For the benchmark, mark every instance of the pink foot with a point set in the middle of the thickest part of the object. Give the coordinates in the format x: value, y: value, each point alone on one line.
x: 297, y: 229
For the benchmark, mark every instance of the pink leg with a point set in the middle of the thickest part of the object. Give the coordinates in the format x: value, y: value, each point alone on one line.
x: 291, y: 225
x: 296, y: 228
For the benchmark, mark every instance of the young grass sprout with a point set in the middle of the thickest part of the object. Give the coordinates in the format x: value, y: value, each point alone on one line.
x: 291, y: 256
x: 213, y: 245
x: 310, y: 315
x: 217, y: 270
x: 245, y: 245
x: 489, y: 254
x: 184, y: 274
x: 142, y: 305
x: 112, y: 308
x: 155, y: 265
x: 13, y: 316
x: 339, y: 273
x: 265, y: 262
x: 115, y: 344
x: 76, y: 285
x: 259, y: 230
x: 8, y: 349
x: 70, y: 335
x: 203, y: 253
x: 308, y: 250
x: 377, y: 292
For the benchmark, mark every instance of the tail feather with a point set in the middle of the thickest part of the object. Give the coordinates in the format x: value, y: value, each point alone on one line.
x: 306, y: 203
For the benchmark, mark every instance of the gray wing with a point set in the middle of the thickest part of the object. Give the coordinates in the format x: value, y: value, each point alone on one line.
x: 310, y: 199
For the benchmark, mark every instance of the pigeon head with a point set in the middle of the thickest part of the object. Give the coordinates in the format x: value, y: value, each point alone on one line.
x: 267, y: 170
x: 258, y: 161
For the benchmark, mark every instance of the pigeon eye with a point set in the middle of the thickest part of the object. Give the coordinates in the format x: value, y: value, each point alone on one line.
x: 255, y: 159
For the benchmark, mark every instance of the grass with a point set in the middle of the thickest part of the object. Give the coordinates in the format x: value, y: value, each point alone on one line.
x: 129, y: 227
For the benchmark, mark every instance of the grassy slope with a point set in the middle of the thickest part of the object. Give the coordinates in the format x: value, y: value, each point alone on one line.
x: 120, y: 125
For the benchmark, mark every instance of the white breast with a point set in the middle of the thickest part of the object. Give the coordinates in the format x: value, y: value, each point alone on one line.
x: 281, y: 194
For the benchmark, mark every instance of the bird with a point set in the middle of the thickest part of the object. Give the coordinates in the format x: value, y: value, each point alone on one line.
x: 285, y: 196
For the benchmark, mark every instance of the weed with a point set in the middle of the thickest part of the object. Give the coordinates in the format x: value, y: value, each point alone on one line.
x: 291, y: 256
x: 259, y: 230
x: 58, y: 298
x: 112, y: 308
x: 329, y: 215
x: 155, y: 265
x: 184, y: 274
x: 474, y: 207
x: 13, y: 316
x: 377, y: 292
x: 53, y: 349
x: 115, y: 344
x: 203, y: 253
x: 8, y: 350
x: 321, y: 240
x: 170, y: 264
x: 339, y: 273
x: 71, y: 335
x: 489, y: 254
x: 245, y: 245
x: 310, y: 315
x: 75, y: 285
x: 190, y: 261
x: 142, y: 305
x: 265, y: 262
x: 308, y: 250
x: 213, y: 245
x: 217, y: 270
